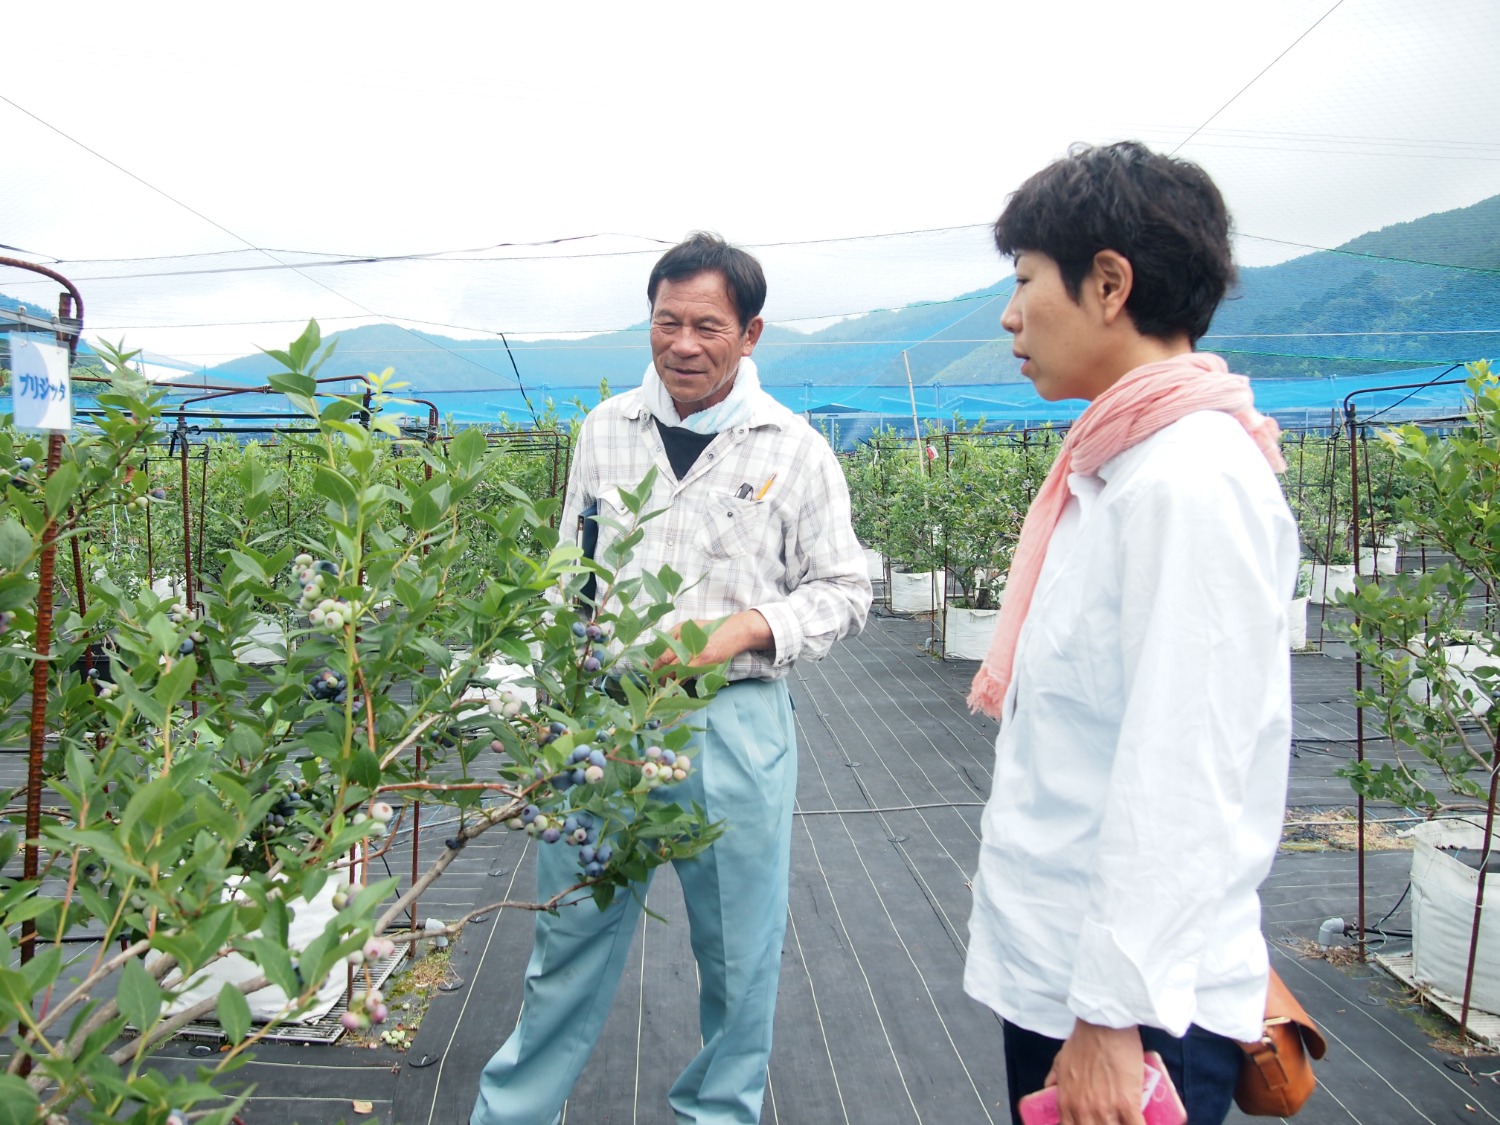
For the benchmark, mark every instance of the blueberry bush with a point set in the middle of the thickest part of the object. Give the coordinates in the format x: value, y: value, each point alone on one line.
x: 1429, y: 639
x: 954, y: 500
x: 195, y: 803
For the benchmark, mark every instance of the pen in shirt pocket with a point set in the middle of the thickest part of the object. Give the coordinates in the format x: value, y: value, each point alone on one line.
x: 745, y: 492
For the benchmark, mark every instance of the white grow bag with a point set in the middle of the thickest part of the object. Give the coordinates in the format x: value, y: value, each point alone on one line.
x: 1296, y: 623
x: 1326, y: 581
x: 308, y: 922
x: 265, y: 643
x: 1443, y: 889
x: 911, y: 593
x: 967, y: 632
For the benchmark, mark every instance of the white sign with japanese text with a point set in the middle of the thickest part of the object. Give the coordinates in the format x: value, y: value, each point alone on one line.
x: 40, y: 391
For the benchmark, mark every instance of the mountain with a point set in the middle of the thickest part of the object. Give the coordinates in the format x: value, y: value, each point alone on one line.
x: 1414, y: 294
x: 1419, y: 293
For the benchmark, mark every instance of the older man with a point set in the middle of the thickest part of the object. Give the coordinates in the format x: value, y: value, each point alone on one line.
x: 755, y: 509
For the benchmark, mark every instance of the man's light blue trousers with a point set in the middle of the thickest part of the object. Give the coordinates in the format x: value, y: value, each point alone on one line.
x: 745, y: 773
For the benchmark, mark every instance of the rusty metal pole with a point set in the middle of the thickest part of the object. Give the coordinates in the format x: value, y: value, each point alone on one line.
x: 1484, y: 862
x: 1359, y: 664
x: 187, y: 520
x: 31, y: 860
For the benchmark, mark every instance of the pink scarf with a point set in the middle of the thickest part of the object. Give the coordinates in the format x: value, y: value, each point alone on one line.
x: 1144, y: 401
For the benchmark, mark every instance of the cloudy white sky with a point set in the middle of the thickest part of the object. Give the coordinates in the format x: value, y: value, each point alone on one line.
x: 171, y: 139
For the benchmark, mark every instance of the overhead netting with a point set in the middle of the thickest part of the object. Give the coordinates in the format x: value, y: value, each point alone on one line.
x: 526, y: 332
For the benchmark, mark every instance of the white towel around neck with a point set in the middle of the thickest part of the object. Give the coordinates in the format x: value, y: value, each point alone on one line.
x: 716, y: 419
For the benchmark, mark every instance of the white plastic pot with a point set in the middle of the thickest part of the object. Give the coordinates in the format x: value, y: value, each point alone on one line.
x: 874, y: 565
x: 911, y: 592
x: 967, y: 632
x: 1443, y: 890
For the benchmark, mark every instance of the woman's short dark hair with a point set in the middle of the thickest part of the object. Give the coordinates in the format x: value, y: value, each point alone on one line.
x: 702, y: 251
x: 1164, y: 215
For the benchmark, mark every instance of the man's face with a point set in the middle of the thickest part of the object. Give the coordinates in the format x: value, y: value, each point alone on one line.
x: 697, y: 342
x: 1061, y: 342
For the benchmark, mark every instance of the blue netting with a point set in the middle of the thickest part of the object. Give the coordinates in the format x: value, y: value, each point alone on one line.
x: 850, y: 414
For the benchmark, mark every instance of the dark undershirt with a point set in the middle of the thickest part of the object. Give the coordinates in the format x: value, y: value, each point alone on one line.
x: 683, y: 446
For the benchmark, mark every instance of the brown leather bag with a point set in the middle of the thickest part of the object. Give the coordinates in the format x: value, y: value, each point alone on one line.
x: 1276, y: 1077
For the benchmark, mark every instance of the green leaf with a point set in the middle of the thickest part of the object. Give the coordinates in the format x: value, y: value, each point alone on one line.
x: 61, y: 488
x: 365, y: 769
x: 19, y: 1105
x: 140, y: 997
x: 16, y: 545
x: 155, y: 803
x: 234, y: 1013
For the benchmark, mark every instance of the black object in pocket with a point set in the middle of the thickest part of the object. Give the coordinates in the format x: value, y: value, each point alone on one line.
x: 588, y: 541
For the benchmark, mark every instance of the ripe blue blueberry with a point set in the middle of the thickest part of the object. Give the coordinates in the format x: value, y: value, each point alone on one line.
x: 579, y: 629
x: 593, y: 870
x: 552, y: 835
x: 591, y: 664
x: 597, y: 758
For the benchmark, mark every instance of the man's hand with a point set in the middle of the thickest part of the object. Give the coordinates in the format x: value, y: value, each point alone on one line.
x: 1099, y: 1073
x: 746, y: 631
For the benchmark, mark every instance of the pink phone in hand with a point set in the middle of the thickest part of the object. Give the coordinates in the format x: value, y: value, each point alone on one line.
x: 1160, y: 1104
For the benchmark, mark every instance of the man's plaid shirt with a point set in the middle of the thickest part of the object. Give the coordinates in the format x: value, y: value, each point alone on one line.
x: 792, y: 554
